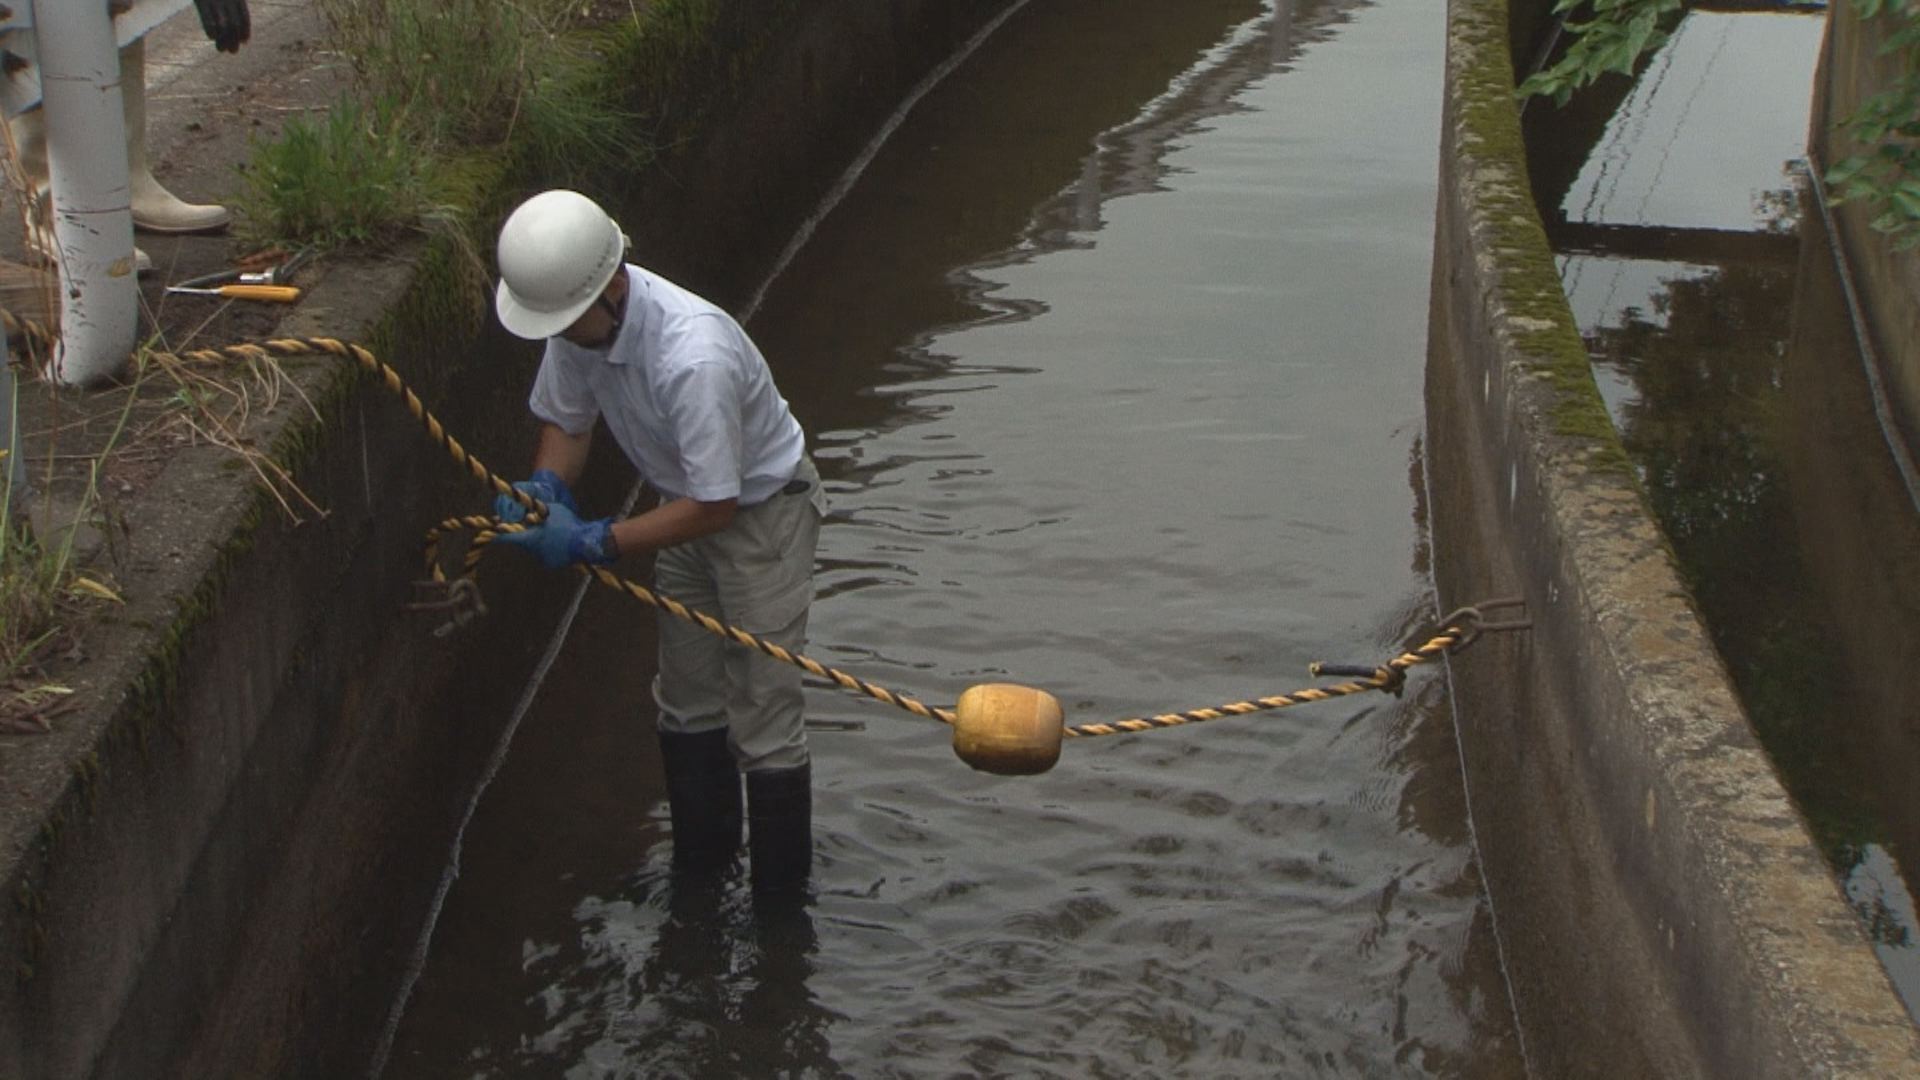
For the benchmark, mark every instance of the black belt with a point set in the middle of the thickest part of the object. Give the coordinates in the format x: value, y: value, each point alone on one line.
x: 796, y: 486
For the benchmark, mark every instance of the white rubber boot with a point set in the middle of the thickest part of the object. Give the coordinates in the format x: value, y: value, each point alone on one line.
x: 155, y: 209
x: 30, y: 142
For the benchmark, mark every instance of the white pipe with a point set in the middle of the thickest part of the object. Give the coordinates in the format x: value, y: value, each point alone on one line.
x: 92, y: 204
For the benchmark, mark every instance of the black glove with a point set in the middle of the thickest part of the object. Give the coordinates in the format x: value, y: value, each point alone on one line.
x: 225, y: 22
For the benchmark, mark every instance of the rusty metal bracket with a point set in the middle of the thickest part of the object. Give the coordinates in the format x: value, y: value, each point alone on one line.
x: 1473, y: 622
x: 460, y: 598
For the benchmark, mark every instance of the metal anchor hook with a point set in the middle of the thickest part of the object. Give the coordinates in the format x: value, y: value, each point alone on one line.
x: 1473, y: 622
x: 1470, y: 622
x: 459, y: 597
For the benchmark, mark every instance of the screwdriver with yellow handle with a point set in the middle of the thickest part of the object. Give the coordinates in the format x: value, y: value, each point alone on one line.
x: 279, y: 294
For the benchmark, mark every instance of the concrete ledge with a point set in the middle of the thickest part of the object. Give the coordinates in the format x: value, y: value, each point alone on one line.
x: 1660, y: 905
x: 221, y: 865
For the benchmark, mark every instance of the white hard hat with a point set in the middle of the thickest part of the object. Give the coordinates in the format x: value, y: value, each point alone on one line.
x: 557, y: 251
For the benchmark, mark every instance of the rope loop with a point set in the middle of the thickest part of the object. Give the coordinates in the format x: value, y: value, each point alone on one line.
x: 1473, y: 622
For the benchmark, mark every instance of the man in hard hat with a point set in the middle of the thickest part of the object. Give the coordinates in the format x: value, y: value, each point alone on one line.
x: 690, y: 400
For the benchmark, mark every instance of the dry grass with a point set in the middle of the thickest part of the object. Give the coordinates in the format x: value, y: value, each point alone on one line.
x: 51, y: 584
x: 220, y: 405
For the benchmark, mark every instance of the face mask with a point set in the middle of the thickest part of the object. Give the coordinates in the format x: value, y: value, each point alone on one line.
x: 617, y: 315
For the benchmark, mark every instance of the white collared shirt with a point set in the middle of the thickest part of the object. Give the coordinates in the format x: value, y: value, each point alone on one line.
x: 684, y: 391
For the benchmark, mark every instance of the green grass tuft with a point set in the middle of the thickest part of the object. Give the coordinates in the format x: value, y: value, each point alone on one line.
x: 350, y: 177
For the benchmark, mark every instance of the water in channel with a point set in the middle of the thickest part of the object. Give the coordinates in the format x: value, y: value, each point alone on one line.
x: 1112, y: 363
x: 1698, y: 263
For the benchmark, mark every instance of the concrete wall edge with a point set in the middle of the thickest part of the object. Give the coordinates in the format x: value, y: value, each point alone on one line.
x: 1738, y: 912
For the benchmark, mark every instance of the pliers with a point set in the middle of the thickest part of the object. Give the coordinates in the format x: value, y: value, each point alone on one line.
x: 279, y: 274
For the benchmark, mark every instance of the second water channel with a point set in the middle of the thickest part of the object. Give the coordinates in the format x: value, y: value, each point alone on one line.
x: 1112, y: 362
x: 1694, y: 249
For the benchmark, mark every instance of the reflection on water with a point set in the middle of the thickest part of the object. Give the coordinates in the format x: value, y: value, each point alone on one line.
x: 1701, y: 135
x: 1878, y: 891
x: 681, y: 981
x: 1738, y: 391
x: 1081, y: 361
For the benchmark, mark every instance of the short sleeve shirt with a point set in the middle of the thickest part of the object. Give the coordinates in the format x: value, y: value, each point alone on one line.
x: 685, y: 393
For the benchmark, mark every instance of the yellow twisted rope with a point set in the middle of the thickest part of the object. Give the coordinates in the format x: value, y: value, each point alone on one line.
x: 1387, y: 677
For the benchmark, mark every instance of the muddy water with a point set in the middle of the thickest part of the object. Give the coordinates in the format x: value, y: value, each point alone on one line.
x: 1112, y: 365
x: 1735, y: 377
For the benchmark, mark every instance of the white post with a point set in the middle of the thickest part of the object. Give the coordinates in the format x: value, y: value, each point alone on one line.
x: 92, y: 204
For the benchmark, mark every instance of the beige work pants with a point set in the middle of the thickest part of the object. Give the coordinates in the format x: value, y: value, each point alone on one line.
x: 756, y: 574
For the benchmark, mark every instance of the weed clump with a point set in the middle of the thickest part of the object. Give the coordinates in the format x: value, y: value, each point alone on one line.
x: 437, y: 81
x: 349, y: 177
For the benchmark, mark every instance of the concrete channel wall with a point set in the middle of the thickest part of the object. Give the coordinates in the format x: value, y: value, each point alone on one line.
x: 1851, y: 71
x: 223, y: 864
x: 1660, y: 905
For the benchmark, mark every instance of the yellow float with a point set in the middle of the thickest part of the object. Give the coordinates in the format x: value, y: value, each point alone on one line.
x: 1008, y: 729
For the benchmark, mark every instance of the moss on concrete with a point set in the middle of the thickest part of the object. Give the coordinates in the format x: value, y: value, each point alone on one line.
x: 1530, y: 296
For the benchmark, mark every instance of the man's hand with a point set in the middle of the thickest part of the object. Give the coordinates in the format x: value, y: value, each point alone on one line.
x: 544, y: 485
x: 563, y: 539
x: 226, y: 23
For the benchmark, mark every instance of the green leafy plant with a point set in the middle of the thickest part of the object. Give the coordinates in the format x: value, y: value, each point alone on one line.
x: 1614, y: 40
x: 1887, y: 175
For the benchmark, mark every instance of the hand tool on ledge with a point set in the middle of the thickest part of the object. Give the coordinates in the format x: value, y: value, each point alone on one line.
x: 279, y: 294
x: 239, y: 283
x: 280, y: 273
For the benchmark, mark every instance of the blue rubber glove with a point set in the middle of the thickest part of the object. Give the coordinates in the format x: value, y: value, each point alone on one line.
x: 564, y: 539
x: 545, y: 485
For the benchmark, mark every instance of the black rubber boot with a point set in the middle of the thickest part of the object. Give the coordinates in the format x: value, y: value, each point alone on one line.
x: 780, y: 830
x: 703, y: 798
